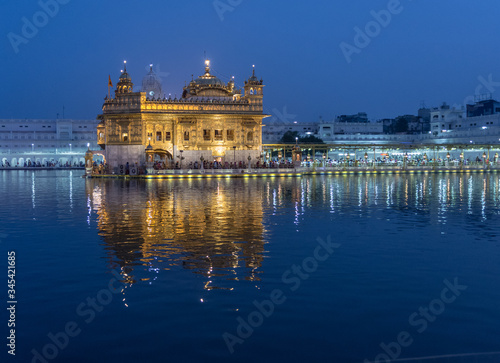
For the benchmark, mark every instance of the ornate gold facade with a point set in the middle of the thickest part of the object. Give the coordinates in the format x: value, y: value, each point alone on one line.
x: 212, y: 120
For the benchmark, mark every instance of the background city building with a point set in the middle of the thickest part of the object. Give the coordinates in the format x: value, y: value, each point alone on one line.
x: 42, y: 141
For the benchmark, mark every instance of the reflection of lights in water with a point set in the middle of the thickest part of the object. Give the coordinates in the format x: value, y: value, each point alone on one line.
x: 274, y: 202
x: 71, y: 189
x: 366, y: 192
x: 448, y: 190
x: 483, y: 202
x: 323, y: 190
x: 442, y: 200
x: 360, y: 196
x: 89, y: 207
x: 297, y: 213
x: 469, y: 200
x: 167, y: 226
x: 406, y: 191
x: 332, y: 205
x: 302, y: 195
x: 33, y: 190
x: 387, y: 200
x: 460, y: 188
x: 495, y: 192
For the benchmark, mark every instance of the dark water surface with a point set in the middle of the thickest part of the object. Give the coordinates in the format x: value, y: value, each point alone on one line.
x: 311, y: 269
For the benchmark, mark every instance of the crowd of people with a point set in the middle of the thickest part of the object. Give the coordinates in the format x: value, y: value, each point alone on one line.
x: 38, y: 164
x: 399, y: 161
x: 161, y: 165
x: 396, y: 161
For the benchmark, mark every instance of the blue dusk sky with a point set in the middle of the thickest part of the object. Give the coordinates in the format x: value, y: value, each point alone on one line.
x: 317, y: 58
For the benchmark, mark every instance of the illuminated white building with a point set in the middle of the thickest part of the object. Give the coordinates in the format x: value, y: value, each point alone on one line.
x: 42, y: 141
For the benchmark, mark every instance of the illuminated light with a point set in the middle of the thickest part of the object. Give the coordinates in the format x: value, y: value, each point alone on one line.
x: 201, y: 300
x: 207, y: 62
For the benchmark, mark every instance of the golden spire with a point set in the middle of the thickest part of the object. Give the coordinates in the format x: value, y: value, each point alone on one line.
x: 207, y: 67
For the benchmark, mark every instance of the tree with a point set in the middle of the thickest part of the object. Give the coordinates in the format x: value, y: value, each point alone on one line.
x: 401, y: 125
x: 311, y: 139
x: 289, y: 137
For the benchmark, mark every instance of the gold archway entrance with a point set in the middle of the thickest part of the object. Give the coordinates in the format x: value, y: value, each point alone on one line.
x: 151, y: 153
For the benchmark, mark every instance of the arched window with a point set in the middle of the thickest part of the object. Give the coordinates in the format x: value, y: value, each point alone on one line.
x: 250, y: 136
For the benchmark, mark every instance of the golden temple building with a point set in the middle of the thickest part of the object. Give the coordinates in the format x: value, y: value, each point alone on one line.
x: 212, y: 120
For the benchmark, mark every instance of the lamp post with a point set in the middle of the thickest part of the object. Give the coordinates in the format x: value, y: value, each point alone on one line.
x: 366, y: 159
x: 436, y: 155
x: 484, y: 159
x: 324, y: 160
x: 496, y: 158
x: 202, y: 159
x: 461, y: 160
x: 374, y: 157
x: 234, y: 155
x: 448, y: 156
x: 347, y: 159
x: 404, y: 161
x: 32, y: 148
x: 70, y: 148
x: 249, y: 165
x: 181, y: 157
x: 425, y: 158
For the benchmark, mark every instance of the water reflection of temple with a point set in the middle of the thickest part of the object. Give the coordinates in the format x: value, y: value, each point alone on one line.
x: 212, y: 227
x: 216, y: 227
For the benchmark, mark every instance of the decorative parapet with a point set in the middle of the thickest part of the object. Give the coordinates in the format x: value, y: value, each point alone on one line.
x: 133, y: 103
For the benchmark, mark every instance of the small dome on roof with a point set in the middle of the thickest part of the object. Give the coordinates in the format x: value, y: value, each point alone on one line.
x: 209, y: 81
x: 124, y: 76
x: 253, y: 79
x: 151, y: 84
